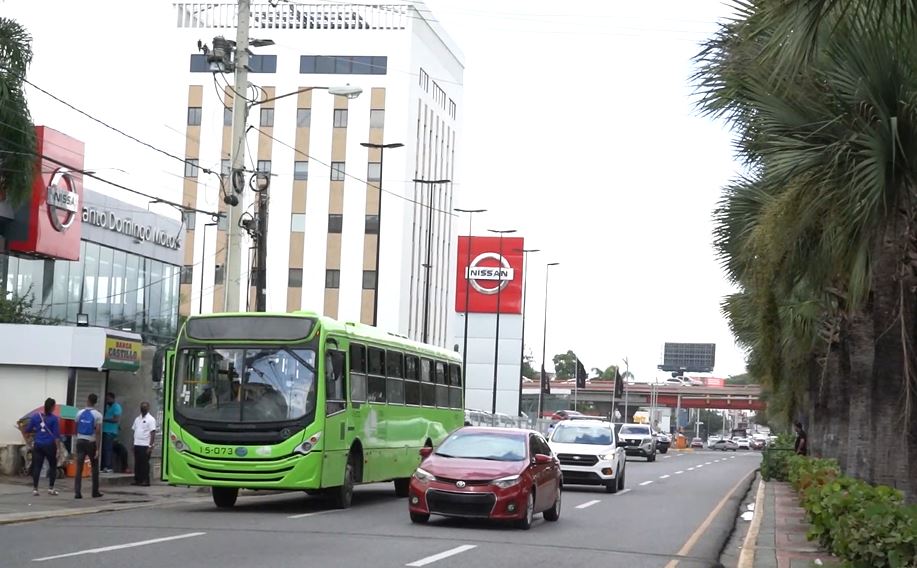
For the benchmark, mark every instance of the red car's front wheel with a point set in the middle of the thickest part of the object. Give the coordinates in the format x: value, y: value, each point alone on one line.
x: 528, y: 516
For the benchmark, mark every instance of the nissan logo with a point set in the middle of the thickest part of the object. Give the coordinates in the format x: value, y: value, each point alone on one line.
x: 460, y: 484
x: 477, y: 274
x: 62, y: 199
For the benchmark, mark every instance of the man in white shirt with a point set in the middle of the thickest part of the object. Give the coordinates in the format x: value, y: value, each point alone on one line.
x: 144, y: 435
x: 88, y: 439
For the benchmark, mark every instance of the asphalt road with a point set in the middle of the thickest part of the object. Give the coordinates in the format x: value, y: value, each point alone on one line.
x: 664, y: 515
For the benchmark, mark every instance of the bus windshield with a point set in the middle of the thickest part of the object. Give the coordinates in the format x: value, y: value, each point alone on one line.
x: 245, y: 385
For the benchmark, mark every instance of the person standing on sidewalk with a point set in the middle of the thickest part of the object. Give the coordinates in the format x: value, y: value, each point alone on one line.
x: 110, y: 427
x: 802, y: 440
x: 88, y: 436
x: 47, y: 434
x: 144, y: 435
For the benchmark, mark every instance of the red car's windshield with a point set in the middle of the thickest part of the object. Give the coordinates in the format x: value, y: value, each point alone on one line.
x: 484, y: 446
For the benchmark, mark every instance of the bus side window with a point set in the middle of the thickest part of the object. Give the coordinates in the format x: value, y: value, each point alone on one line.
x: 394, y: 384
x: 357, y: 373
x: 335, y: 400
x: 376, y: 384
x: 455, y: 386
x: 442, y: 386
x: 411, y: 384
x: 427, y: 388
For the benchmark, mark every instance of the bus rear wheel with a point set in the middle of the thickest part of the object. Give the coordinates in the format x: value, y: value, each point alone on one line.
x: 224, y: 497
x: 402, y: 487
x: 342, y: 497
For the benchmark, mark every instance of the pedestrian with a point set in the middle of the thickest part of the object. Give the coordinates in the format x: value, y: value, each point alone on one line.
x: 802, y: 440
x: 110, y: 428
x: 144, y: 436
x: 46, y: 427
x: 88, y: 438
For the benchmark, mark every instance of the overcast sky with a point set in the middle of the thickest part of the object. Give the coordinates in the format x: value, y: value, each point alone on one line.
x: 579, y: 130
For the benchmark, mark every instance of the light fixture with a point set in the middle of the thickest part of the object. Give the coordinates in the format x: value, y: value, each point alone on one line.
x: 346, y: 91
x: 82, y: 320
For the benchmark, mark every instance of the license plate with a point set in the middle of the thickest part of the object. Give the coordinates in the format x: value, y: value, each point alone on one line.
x: 217, y: 451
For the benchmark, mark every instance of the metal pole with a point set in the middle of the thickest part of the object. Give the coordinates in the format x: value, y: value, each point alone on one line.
x: 261, y: 251
x: 200, y: 299
x: 626, y: 402
x: 378, y: 239
x: 426, y: 294
x: 497, y: 333
x: 471, y: 213
x: 544, y: 341
x: 525, y: 289
x: 575, y: 380
x: 233, y: 269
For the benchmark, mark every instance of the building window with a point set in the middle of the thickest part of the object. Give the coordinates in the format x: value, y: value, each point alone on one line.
x: 335, y: 223
x: 225, y: 167
x: 340, y: 118
x: 369, y: 279
x: 424, y: 80
x: 452, y: 109
x: 223, y: 222
x: 372, y: 224
x: 343, y: 64
x: 332, y: 279
x: 199, y: 63
x: 194, y: 116
x: 218, y: 274
x: 187, y: 273
x: 337, y: 171
x: 298, y: 223
x: 189, y: 219
x: 267, y: 117
x: 227, y: 116
x: 264, y: 166
x: 439, y: 95
x: 303, y: 117
x: 374, y: 171
x: 191, y: 168
x: 294, y: 280
x: 262, y: 63
x: 301, y: 170
x: 376, y: 118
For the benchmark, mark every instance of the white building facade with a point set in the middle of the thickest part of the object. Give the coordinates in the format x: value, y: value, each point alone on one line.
x: 326, y: 207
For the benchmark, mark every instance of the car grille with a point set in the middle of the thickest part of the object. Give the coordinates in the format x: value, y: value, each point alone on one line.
x: 460, y: 504
x: 468, y: 482
x: 582, y: 477
x: 635, y: 443
x: 577, y: 459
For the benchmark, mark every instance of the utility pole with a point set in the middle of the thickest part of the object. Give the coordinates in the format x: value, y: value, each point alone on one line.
x: 233, y: 270
x: 381, y: 148
x: 261, y: 243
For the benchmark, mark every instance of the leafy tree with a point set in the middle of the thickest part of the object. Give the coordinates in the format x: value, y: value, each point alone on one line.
x: 528, y: 371
x: 743, y: 379
x: 20, y: 309
x: 565, y: 365
x: 609, y: 374
x: 17, y: 135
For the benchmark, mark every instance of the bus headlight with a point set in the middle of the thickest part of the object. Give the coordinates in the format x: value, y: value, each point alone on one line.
x: 177, y: 443
x: 308, y: 445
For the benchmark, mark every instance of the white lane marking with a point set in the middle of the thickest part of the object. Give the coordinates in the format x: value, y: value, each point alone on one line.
x: 664, y: 476
x: 690, y: 469
x: 679, y: 455
x: 708, y: 463
x: 647, y: 482
x: 119, y: 546
x: 313, y: 513
x: 442, y: 555
x: 666, y: 457
x: 679, y: 472
x: 623, y: 491
x: 588, y: 504
x: 699, y: 466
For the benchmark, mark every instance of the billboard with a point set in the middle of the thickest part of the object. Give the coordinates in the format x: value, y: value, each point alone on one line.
x: 48, y: 224
x: 689, y: 357
x: 490, y: 273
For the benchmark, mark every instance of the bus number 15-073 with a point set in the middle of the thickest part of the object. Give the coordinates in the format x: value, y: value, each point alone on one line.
x: 217, y: 451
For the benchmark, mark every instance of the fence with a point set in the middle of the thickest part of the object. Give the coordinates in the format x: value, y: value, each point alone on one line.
x: 481, y: 418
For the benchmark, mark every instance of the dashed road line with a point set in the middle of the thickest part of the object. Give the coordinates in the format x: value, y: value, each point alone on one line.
x: 679, y: 472
x: 664, y: 476
x: 690, y: 469
x: 646, y: 482
x: 313, y: 513
x: 623, y: 491
x: 588, y: 504
x: 442, y: 555
x: 119, y: 546
x: 699, y: 466
x: 708, y: 463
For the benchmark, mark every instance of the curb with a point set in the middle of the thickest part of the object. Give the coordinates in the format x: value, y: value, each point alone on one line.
x: 15, y: 518
x: 747, y: 555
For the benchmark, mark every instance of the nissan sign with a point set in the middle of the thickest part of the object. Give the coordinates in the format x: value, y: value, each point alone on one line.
x: 62, y: 199
x: 487, y: 277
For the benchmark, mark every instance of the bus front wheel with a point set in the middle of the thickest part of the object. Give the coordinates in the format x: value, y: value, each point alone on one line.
x: 342, y: 496
x: 224, y: 497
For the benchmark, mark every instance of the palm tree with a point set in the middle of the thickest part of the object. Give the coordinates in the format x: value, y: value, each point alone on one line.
x: 820, y: 232
x: 17, y: 135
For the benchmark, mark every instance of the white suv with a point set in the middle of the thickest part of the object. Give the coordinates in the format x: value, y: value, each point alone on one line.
x: 638, y: 440
x: 589, y: 454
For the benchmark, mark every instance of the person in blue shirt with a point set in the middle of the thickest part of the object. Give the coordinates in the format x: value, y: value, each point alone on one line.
x: 110, y: 427
x: 46, y: 428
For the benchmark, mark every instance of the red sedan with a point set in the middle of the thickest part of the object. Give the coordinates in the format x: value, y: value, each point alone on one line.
x: 490, y: 473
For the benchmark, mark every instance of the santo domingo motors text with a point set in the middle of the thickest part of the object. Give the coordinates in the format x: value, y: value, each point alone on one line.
x: 108, y: 220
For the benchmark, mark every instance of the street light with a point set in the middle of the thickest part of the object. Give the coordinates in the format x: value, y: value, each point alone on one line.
x: 500, y: 286
x: 525, y: 289
x: 544, y: 340
x: 200, y: 298
x: 471, y: 213
x: 346, y: 91
x: 381, y: 148
x: 428, y: 264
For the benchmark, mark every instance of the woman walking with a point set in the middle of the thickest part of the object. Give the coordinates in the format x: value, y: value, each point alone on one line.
x: 46, y: 427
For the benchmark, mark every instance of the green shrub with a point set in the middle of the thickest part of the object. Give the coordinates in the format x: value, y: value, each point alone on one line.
x: 775, y: 464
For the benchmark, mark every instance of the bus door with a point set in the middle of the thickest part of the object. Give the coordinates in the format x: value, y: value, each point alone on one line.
x: 336, y: 415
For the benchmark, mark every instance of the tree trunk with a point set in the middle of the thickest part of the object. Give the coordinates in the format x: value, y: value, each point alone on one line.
x: 818, y: 416
x: 860, y: 352
x: 836, y: 405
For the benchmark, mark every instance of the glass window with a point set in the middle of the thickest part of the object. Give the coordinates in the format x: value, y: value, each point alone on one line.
x: 155, y: 291
x: 298, y: 222
x: 335, y: 222
x: 90, y: 277
x: 118, y: 287
x: 262, y: 63
x: 324, y: 64
x: 307, y: 63
x: 455, y: 397
x: 335, y: 397
x: 379, y: 65
x: 199, y: 63
x: 104, y: 293
x: 332, y: 278
x: 372, y: 225
x: 267, y: 117
x: 218, y: 274
x: 374, y: 171
x: 376, y: 361
x: 337, y: 171
x: 227, y: 116
x: 264, y: 166
x: 369, y: 279
x: 194, y: 116
x: 427, y: 388
x: 361, y: 65
x: 412, y: 393
x: 300, y: 170
x: 342, y: 65
x: 131, y: 286
x: 491, y: 445
x: 60, y: 295
x: 376, y: 388
x: 357, y: 372
x: 394, y: 364
x: 303, y: 117
x: 411, y: 366
x: 223, y: 222
x: 143, y: 280
x: 189, y: 219
x: 340, y: 118
x: 394, y: 390
x: 187, y: 273
x: 191, y: 167
x: 294, y: 280
x: 376, y: 118
x: 442, y: 389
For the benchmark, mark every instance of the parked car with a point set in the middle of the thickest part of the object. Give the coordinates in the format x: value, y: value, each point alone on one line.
x: 588, y: 453
x: 697, y: 443
x: 638, y: 440
x: 493, y: 473
x: 742, y: 443
x: 678, y: 382
x: 663, y: 442
x: 725, y: 444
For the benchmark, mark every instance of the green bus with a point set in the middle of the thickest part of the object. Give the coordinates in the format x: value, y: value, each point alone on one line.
x: 300, y: 401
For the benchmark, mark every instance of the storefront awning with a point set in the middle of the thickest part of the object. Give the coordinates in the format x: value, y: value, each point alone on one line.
x: 69, y: 346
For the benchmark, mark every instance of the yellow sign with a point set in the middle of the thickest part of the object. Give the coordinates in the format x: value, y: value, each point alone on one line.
x: 122, y: 354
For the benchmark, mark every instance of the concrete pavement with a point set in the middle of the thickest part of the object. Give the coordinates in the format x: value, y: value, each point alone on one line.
x: 674, y: 512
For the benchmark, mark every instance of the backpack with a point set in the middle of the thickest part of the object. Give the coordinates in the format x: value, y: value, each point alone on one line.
x: 86, y: 423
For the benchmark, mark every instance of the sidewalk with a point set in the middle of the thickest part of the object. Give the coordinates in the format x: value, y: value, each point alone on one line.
x: 777, y: 537
x: 17, y: 504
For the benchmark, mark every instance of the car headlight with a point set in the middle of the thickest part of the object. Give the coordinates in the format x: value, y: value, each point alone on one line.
x: 423, y: 475
x: 505, y: 482
x: 608, y: 457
